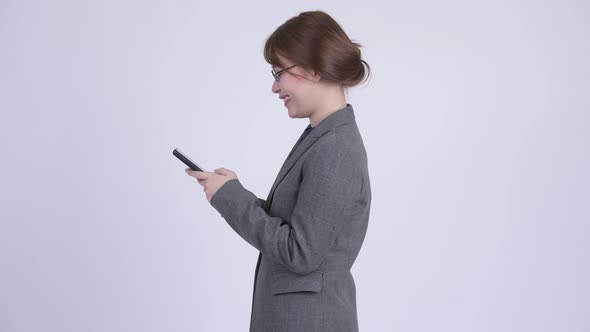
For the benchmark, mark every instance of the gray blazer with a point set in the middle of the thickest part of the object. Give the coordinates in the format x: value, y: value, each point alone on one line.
x: 309, y: 231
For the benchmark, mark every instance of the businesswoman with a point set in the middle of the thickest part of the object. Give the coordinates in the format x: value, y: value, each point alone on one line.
x: 310, y: 228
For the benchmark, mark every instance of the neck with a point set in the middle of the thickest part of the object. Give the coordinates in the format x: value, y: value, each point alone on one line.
x: 332, y: 102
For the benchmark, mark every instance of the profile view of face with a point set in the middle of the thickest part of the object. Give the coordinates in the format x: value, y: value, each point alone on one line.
x: 296, y: 92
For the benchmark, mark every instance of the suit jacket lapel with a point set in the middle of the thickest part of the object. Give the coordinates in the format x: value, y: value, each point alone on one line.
x: 290, y: 162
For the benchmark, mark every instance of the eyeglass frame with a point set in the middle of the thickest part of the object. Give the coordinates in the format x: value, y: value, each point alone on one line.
x: 277, y: 74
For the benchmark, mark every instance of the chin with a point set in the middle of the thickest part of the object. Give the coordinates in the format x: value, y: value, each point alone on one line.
x: 297, y: 114
x: 292, y: 113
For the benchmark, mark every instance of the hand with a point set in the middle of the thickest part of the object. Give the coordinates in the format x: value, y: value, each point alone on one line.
x: 212, y: 181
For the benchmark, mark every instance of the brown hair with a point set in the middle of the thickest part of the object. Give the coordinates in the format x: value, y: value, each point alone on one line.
x: 314, y: 40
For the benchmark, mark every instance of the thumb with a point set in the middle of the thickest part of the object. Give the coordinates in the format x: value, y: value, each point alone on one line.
x: 222, y: 171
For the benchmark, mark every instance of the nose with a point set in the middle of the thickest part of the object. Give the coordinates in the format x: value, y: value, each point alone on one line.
x: 275, y: 87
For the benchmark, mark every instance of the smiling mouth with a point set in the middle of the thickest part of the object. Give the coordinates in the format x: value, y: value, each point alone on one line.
x: 285, y: 99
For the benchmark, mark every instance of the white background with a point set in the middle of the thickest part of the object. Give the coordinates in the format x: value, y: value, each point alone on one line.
x: 476, y: 122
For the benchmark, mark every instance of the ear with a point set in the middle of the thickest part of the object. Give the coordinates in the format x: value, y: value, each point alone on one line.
x: 313, y: 76
x: 316, y: 77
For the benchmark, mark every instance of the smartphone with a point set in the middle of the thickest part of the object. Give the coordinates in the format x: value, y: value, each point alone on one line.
x: 187, y: 161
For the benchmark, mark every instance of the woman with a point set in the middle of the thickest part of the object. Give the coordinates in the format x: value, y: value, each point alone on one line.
x: 311, y: 227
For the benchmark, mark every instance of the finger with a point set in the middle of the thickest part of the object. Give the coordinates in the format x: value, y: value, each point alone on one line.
x: 201, y: 175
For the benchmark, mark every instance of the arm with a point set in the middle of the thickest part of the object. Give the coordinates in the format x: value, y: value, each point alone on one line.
x: 328, y: 192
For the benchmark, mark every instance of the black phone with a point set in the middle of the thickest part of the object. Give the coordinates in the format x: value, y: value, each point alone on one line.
x: 187, y: 161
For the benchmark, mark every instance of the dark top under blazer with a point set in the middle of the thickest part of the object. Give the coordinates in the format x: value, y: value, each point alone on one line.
x: 309, y: 230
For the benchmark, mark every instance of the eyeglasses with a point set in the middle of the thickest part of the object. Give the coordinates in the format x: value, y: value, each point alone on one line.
x: 277, y: 74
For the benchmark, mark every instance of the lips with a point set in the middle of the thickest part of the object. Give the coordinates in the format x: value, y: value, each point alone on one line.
x: 285, y: 98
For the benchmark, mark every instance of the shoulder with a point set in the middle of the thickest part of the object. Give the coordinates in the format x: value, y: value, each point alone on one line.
x: 341, y: 147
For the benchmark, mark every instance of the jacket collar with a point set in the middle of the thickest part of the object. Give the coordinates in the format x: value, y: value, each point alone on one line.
x: 336, y: 119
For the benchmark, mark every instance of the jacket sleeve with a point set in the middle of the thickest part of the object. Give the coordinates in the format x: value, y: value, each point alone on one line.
x: 329, y: 190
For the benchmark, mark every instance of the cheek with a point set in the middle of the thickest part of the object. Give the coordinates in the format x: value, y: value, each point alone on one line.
x: 301, y: 96
x: 305, y: 98
x: 297, y: 94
